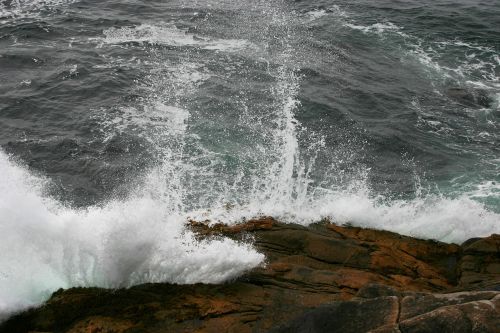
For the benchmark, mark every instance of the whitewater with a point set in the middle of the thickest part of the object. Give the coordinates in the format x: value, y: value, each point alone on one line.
x: 223, y: 120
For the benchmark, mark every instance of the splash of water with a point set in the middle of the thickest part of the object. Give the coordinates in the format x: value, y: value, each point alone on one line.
x: 143, y: 238
x: 46, y: 246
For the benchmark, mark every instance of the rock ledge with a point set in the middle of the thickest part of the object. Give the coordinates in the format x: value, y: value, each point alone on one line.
x: 321, y: 278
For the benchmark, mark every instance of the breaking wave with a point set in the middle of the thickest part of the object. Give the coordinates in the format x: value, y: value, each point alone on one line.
x: 46, y: 246
x: 200, y: 173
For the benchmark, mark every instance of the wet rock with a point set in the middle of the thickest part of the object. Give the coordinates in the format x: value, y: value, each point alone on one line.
x: 345, y: 317
x: 415, y: 312
x: 472, y: 98
x: 100, y: 324
x: 318, y: 278
x: 418, y: 304
x: 477, y: 316
x: 479, y: 266
x: 377, y: 290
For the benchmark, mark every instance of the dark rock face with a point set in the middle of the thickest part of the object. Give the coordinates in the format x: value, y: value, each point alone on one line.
x: 473, y: 98
x: 456, y: 314
x: 408, y: 312
x: 322, y: 278
x: 347, y: 316
x: 480, y: 263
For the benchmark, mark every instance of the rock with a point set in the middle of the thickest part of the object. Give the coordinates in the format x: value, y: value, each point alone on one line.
x: 474, y: 98
x: 100, y: 324
x: 416, y: 304
x: 477, y: 316
x: 321, y: 277
x: 479, y: 266
x: 373, y: 290
x: 345, y: 317
x: 421, y: 312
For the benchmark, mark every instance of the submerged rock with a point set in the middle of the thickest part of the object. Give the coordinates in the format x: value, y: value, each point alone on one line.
x: 473, y: 98
x: 321, y: 278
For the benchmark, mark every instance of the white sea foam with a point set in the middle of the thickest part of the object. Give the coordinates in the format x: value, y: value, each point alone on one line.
x: 316, y: 14
x: 334, y: 11
x: 171, y: 36
x: 459, y: 43
x: 154, y: 115
x: 470, y: 71
x: 479, y: 61
x: 378, y: 28
x: 29, y: 8
x: 486, y: 189
x: 143, y: 238
x: 46, y: 246
x: 433, y: 216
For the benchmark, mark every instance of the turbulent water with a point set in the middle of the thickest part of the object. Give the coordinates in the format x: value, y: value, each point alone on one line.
x: 121, y: 120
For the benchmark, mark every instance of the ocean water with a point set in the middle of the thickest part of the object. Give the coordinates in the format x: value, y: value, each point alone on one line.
x: 122, y: 120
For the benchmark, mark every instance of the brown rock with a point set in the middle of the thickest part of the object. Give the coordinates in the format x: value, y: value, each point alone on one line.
x: 346, y: 279
x: 391, y: 328
x: 478, y: 316
x: 479, y: 267
x: 488, y: 245
x: 427, y: 313
x: 449, y: 319
x: 100, y: 324
x: 345, y: 317
x: 418, y: 303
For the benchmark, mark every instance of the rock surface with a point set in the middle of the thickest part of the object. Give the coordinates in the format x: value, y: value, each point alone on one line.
x: 321, y: 278
x: 403, y: 312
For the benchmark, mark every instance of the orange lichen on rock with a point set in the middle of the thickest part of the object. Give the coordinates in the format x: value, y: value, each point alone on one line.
x: 328, y: 274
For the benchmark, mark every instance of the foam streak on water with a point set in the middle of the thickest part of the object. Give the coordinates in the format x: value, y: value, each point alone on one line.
x: 172, y: 36
x: 223, y: 121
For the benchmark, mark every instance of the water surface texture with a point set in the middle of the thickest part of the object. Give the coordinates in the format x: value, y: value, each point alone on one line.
x: 122, y: 120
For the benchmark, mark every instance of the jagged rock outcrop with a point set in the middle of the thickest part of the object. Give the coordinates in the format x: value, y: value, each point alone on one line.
x: 321, y: 278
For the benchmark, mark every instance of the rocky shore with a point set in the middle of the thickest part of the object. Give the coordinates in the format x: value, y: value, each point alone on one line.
x: 321, y: 278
